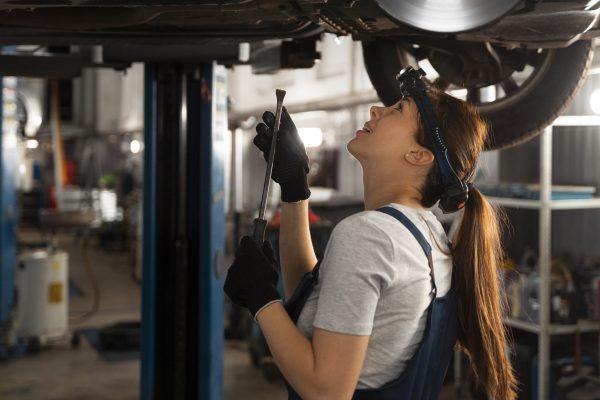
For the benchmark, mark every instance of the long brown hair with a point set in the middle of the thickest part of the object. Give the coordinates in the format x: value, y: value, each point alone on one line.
x: 477, y: 250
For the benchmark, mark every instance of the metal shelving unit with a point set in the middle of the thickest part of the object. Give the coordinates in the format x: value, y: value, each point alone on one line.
x: 577, y: 204
x: 582, y: 326
x: 545, y: 206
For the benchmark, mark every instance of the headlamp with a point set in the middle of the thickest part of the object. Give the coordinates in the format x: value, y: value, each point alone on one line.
x: 414, y: 86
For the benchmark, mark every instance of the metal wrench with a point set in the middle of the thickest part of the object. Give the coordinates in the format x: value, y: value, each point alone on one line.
x: 260, y: 223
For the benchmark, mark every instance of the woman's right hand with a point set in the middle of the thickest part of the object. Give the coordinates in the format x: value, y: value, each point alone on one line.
x: 290, y: 167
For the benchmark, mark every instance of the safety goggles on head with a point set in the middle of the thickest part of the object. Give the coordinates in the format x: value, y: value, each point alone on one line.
x: 414, y: 86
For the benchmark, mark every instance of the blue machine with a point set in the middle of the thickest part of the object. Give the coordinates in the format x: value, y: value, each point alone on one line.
x: 8, y: 207
x: 182, y: 308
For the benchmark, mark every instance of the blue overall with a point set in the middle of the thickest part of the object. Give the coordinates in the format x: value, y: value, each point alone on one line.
x: 424, y: 374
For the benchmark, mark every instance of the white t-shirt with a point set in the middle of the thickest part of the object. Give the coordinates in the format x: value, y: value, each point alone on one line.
x: 375, y: 280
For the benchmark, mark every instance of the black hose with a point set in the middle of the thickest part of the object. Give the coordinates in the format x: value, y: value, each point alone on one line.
x: 93, y: 281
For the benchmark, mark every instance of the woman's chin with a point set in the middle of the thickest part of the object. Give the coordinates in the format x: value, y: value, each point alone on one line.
x: 351, y: 146
x: 355, y: 148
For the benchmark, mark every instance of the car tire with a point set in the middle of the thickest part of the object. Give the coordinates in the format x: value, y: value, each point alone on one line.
x: 513, y: 119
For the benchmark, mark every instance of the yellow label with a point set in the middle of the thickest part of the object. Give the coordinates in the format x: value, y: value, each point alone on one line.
x: 55, y: 265
x: 55, y: 292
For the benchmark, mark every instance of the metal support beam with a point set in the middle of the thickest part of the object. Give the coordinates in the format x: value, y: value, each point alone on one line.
x: 211, y: 221
x: 545, y: 260
x: 182, y: 346
x: 148, y: 337
x: 49, y: 66
x: 53, y: 66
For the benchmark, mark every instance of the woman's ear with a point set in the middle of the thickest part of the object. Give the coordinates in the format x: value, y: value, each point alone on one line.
x: 420, y: 156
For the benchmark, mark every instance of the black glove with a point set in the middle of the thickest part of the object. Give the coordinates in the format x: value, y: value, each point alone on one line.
x: 290, y: 167
x: 251, y: 280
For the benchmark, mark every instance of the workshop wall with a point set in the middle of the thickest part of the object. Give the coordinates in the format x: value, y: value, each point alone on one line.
x: 340, y: 74
x: 109, y: 101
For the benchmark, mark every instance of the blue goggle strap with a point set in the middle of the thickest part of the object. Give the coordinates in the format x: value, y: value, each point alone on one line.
x: 440, y: 150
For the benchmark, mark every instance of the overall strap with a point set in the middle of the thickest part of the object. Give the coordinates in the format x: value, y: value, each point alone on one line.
x: 393, y: 212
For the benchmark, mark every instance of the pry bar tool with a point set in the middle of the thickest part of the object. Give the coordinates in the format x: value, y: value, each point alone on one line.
x: 260, y: 223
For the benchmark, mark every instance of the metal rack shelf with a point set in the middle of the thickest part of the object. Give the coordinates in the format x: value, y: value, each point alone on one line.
x: 545, y: 205
x: 575, y: 204
x: 582, y: 326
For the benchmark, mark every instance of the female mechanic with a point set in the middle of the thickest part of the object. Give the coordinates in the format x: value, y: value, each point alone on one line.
x: 379, y: 316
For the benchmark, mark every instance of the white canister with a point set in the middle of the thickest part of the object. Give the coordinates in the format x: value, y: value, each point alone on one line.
x: 42, y: 287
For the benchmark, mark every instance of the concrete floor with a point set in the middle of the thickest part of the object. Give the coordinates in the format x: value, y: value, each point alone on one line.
x: 59, y: 372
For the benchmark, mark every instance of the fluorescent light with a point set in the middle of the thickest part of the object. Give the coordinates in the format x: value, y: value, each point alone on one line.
x: 32, y: 144
x: 311, y: 137
x: 135, y: 146
x: 577, y: 120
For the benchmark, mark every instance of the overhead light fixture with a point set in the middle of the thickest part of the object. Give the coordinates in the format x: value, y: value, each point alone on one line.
x: 244, y: 52
x: 135, y: 146
x: 595, y: 101
x: 311, y: 137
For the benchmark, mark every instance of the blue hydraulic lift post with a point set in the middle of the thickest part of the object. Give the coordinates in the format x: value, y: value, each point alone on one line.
x: 182, y: 316
x: 213, y: 96
x: 8, y: 200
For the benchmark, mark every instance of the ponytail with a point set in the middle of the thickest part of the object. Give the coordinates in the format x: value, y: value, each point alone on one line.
x: 481, y: 333
x: 477, y: 250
